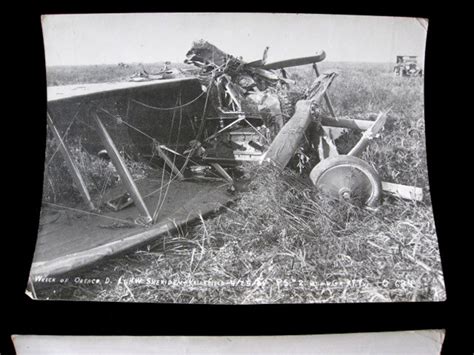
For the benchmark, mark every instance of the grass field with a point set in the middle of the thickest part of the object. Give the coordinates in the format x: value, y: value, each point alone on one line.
x: 282, y: 243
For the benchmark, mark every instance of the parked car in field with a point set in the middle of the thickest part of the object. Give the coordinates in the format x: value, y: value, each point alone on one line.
x: 407, y: 65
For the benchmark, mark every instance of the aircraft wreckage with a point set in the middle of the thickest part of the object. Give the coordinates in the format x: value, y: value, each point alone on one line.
x: 198, y: 128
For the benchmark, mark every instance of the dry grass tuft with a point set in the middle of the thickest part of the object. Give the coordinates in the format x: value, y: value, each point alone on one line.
x: 99, y: 174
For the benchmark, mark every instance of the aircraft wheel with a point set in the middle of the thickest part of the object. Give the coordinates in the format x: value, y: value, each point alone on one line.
x: 348, y: 178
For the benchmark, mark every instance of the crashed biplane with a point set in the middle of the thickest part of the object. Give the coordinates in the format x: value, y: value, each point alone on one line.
x: 198, y: 128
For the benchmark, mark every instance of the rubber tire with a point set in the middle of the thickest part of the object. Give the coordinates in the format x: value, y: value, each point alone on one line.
x: 330, y: 163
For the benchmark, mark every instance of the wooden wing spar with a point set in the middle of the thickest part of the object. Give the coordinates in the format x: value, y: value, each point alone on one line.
x: 106, y: 90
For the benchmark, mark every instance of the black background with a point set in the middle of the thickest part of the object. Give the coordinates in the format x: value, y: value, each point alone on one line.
x: 24, y: 130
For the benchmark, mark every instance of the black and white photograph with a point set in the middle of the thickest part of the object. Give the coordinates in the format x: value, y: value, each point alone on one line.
x: 235, y: 158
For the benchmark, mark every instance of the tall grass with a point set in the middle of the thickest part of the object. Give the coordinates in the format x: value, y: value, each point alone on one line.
x: 99, y: 174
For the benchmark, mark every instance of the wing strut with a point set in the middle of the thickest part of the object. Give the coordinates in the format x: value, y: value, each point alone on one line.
x: 73, y: 169
x: 122, y: 169
x: 326, y: 96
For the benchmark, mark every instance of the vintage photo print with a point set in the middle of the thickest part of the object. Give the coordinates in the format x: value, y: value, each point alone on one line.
x: 235, y: 158
x: 414, y: 342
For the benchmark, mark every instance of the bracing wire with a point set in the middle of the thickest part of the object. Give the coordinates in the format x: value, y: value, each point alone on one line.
x: 168, y: 108
x: 174, y: 157
x: 162, y: 201
x: 87, y: 212
x: 64, y: 135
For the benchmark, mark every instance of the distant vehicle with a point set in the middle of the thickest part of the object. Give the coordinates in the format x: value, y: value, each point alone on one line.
x: 407, y: 65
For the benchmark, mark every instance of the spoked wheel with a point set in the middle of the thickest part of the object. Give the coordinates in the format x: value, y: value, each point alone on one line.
x: 348, y: 178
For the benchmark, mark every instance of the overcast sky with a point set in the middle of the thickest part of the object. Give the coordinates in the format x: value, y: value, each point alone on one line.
x: 146, y: 38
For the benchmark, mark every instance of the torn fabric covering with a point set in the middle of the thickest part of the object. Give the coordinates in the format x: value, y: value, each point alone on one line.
x: 242, y: 87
